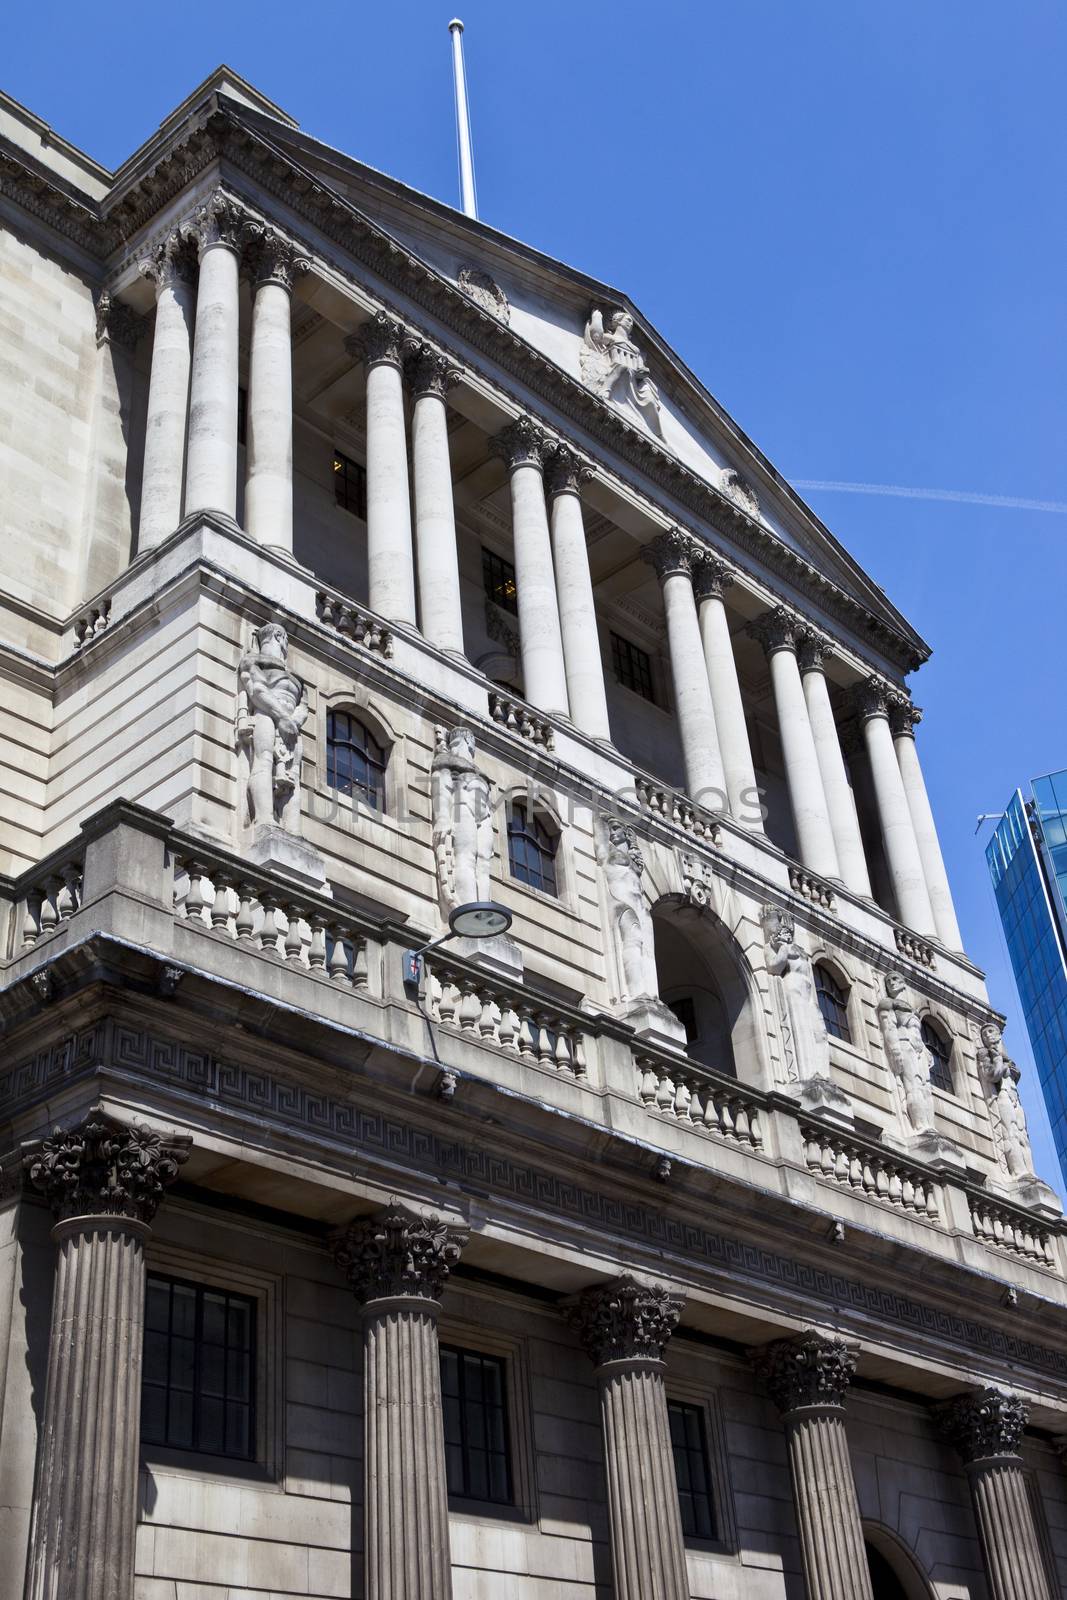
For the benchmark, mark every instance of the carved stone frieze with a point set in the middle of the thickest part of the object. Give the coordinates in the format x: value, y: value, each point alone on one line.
x: 398, y: 1253
x: 429, y: 370
x: 103, y: 1167
x: 812, y: 1369
x: 624, y: 1320
x: 523, y: 443
x: 988, y: 1423
x: 485, y: 292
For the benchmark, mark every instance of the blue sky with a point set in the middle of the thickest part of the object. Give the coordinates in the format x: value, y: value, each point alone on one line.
x: 848, y: 218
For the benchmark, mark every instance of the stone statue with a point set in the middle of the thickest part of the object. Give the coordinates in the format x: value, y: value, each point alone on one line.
x: 1000, y: 1079
x: 272, y: 707
x: 807, y: 1042
x: 622, y: 864
x: 614, y: 368
x: 461, y: 804
x: 909, y: 1059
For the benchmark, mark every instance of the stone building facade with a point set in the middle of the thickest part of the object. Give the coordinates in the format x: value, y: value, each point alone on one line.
x: 683, y: 1240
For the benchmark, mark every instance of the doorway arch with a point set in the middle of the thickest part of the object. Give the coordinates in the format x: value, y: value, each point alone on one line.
x: 894, y: 1572
x: 706, y: 981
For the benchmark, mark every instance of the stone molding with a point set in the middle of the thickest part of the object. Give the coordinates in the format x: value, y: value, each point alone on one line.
x: 712, y: 576
x: 272, y: 258
x: 381, y: 339
x: 812, y: 1369
x: 988, y: 1423
x: 398, y: 1254
x: 566, y: 472
x: 670, y: 552
x: 103, y: 1167
x: 523, y: 443
x: 624, y: 1320
x: 780, y: 629
x: 427, y: 369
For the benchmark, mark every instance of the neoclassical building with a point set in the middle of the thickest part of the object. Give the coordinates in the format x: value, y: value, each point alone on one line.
x: 674, y: 1234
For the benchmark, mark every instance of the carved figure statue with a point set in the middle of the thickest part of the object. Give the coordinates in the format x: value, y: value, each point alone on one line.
x: 622, y: 864
x: 1000, y: 1079
x: 807, y: 1041
x: 272, y: 708
x: 613, y: 366
x: 909, y: 1059
x: 461, y: 803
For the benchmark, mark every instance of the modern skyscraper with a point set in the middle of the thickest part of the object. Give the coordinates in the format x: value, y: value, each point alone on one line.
x: 1027, y: 858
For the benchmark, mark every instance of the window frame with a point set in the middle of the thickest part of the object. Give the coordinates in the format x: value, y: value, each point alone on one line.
x: 705, y: 1396
x: 201, y: 1290
x: 356, y: 793
x: 483, y: 1339
x: 839, y: 998
x: 340, y: 469
x: 619, y: 643
x: 696, y: 1410
x: 488, y: 1358
x: 933, y: 1025
x: 495, y: 588
x: 534, y: 816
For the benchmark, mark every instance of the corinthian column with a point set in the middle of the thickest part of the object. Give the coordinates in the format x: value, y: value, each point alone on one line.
x: 390, y: 561
x: 624, y: 1327
x: 711, y: 578
x: 397, y: 1263
x: 565, y: 473
x: 778, y: 632
x: 211, y: 465
x: 430, y: 375
x: 873, y: 700
x: 673, y: 555
x: 812, y: 650
x: 807, y: 1377
x: 903, y: 717
x: 276, y: 264
x: 523, y: 445
x: 986, y: 1429
x: 173, y: 269
x: 104, y: 1181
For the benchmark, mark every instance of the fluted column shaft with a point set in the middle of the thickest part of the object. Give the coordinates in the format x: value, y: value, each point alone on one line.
x: 173, y: 267
x: 430, y: 376
x: 390, y: 557
x: 269, y: 485
x: 397, y: 1263
x: 673, y: 555
x: 840, y: 802
x: 544, y: 675
x: 903, y: 717
x: 565, y: 474
x: 778, y: 633
x: 211, y: 463
x: 711, y: 578
x: 624, y: 1327
x: 85, y: 1499
x: 894, y: 814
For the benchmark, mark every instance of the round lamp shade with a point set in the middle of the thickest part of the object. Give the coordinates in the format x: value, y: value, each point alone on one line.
x: 480, y: 919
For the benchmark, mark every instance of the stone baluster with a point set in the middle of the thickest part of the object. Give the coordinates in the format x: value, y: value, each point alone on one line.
x: 903, y: 718
x: 711, y: 578
x: 211, y: 463
x: 390, y: 559
x: 807, y: 1377
x: 565, y: 473
x: 275, y: 263
x: 173, y: 270
x: 812, y: 650
x: 397, y: 1263
x: 778, y: 633
x: 873, y: 700
x: 430, y: 375
x: 673, y: 555
x: 986, y: 1429
x: 104, y: 1180
x: 523, y: 446
x: 624, y: 1327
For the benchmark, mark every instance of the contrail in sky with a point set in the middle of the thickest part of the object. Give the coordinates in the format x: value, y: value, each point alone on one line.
x: 962, y: 497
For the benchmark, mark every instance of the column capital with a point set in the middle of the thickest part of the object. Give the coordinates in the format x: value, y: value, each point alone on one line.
x: 990, y: 1422
x: 779, y: 629
x: 523, y: 443
x: 398, y: 1254
x: 904, y: 717
x: 671, y: 551
x: 712, y: 576
x: 221, y: 220
x: 427, y: 369
x: 272, y: 258
x: 811, y: 1369
x: 565, y: 470
x: 173, y: 261
x: 381, y: 339
x: 813, y: 648
x: 624, y: 1320
x: 103, y: 1167
x: 874, y: 697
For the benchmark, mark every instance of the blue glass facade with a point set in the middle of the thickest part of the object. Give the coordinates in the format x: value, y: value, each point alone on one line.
x: 1027, y: 858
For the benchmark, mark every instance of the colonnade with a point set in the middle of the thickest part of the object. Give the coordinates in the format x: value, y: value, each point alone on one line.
x: 413, y: 564
x: 105, y: 1179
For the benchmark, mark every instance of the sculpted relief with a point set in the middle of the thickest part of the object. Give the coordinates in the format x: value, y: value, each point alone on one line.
x: 614, y: 368
x: 1000, y: 1080
x: 272, y: 708
x: 909, y: 1060
x: 622, y: 864
x: 807, y: 1045
x: 461, y: 801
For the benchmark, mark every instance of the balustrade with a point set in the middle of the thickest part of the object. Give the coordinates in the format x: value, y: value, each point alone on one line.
x: 669, y: 806
x: 1006, y: 1229
x: 493, y: 1014
x: 516, y: 717
x: 49, y: 902
x: 687, y: 1095
x: 354, y: 623
x: 876, y: 1176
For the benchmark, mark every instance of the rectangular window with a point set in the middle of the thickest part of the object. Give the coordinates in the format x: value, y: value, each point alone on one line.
x: 477, y: 1463
x: 692, y: 1469
x: 350, y: 485
x: 498, y: 578
x: 632, y: 667
x: 242, y: 415
x: 198, y: 1382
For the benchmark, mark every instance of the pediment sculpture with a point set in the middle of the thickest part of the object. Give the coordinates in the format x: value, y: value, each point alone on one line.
x: 272, y: 708
x: 614, y: 368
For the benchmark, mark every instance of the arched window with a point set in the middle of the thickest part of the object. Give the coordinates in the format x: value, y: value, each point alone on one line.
x: 531, y: 849
x: 941, y: 1051
x: 833, y: 1003
x: 355, y: 761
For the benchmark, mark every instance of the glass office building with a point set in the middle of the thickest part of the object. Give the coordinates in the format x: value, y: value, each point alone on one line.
x: 1027, y: 858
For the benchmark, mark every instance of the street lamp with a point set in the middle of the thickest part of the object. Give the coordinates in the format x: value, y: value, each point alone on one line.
x: 478, y: 919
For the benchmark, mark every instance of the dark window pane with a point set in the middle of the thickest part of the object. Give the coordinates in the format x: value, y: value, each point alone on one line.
x: 350, y: 485
x: 531, y: 850
x: 157, y: 1306
x: 833, y: 1003
x: 632, y: 667
x: 198, y: 1365
x: 498, y: 578
x: 941, y: 1053
x: 183, y: 1310
x: 689, y: 1445
x: 355, y: 761
x: 475, y: 1426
